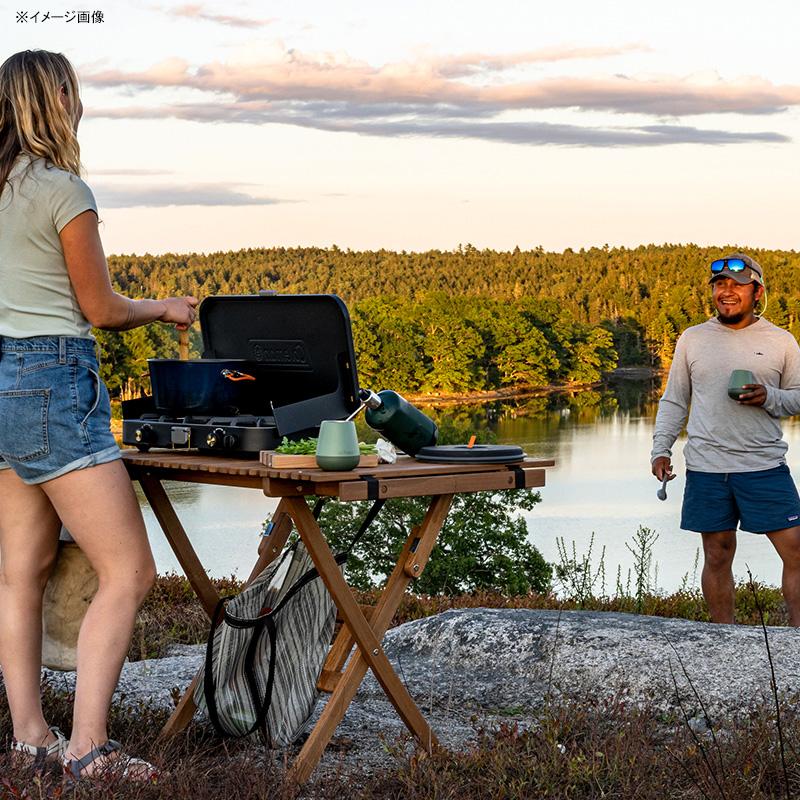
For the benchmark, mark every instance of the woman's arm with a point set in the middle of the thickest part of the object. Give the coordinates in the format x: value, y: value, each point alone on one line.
x: 100, y: 304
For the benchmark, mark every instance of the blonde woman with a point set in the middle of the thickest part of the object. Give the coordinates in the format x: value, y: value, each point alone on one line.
x: 58, y: 459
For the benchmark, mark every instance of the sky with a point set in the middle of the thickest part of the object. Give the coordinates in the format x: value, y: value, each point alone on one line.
x: 419, y: 125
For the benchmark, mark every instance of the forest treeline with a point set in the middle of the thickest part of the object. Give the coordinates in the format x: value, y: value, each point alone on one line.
x: 463, y: 320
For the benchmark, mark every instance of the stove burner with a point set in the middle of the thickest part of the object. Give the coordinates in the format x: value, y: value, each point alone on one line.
x: 242, y: 436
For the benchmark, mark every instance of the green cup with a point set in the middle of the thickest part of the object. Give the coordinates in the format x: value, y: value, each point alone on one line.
x: 739, y: 378
x: 337, y: 445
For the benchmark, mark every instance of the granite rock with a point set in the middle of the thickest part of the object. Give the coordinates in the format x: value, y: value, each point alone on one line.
x: 479, y: 666
x: 510, y: 658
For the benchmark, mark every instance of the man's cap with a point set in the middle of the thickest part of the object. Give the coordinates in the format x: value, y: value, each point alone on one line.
x: 754, y: 272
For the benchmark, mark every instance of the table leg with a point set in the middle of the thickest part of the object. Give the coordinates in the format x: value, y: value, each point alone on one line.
x: 179, y: 541
x: 414, y: 556
x: 344, y: 641
x: 369, y: 653
x: 183, y: 713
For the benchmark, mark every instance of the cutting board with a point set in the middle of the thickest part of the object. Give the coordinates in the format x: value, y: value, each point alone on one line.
x: 286, y: 461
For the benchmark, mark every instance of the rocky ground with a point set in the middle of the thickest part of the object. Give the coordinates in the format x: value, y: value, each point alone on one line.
x: 479, y: 666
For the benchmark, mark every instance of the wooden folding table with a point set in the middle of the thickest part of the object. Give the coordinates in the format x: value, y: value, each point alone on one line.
x: 362, y: 627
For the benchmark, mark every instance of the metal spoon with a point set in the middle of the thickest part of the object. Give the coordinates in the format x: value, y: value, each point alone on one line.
x: 661, y: 494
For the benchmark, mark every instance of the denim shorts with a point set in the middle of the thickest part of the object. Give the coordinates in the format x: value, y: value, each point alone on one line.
x: 55, y: 415
x: 761, y: 501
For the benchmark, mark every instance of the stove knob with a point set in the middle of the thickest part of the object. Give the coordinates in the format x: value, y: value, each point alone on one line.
x: 216, y: 438
x: 144, y: 435
x: 229, y: 441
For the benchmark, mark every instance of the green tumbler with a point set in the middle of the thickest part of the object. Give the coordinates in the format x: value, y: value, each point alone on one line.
x: 337, y: 445
x: 739, y: 379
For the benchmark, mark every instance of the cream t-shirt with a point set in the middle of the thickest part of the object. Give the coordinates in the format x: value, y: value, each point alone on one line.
x: 36, y: 296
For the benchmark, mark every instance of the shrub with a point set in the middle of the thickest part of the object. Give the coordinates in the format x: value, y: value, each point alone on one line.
x: 483, y: 545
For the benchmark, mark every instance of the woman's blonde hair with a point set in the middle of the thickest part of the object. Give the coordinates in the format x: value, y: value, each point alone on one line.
x: 32, y: 117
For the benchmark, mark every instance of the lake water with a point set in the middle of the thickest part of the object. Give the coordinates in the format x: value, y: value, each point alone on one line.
x: 600, y: 488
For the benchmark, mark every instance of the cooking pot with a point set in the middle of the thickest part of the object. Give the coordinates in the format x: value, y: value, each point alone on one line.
x: 209, y: 386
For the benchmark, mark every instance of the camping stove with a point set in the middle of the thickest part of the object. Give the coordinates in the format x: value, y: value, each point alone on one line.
x: 272, y: 366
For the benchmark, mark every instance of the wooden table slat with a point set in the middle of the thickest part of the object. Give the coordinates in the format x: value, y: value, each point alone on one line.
x: 190, y: 461
x: 405, y: 467
x: 408, y: 467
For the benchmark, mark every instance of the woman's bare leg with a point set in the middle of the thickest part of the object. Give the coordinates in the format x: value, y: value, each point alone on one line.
x: 99, y: 508
x: 29, y: 529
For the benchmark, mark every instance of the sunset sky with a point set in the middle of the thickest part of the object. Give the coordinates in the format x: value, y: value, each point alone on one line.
x: 417, y: 125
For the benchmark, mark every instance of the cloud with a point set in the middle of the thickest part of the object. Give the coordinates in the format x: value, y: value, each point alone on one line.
x: 542, y: 133
x: 510, y: 132
x: 457, y: 66
x: 464, y: 95
x: 437, y: 81
x: 160, y: 196
x: 130, y: 172
x: 198, y: 11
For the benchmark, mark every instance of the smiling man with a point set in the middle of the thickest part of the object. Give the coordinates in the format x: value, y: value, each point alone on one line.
x: 736, y: 472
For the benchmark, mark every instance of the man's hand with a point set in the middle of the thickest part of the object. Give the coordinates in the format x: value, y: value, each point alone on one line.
x: 755, y: 396
x: 662, y: 468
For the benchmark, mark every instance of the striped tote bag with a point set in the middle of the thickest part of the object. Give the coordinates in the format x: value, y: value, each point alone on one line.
x: 265, y: 652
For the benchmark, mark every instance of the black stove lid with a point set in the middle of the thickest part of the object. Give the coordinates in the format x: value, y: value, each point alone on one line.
x: 303, y: 345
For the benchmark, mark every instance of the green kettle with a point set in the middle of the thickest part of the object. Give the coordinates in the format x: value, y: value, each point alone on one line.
x: 405, y: 426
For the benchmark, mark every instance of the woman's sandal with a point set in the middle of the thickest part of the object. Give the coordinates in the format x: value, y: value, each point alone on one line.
x: 42, y: 753
x: 124, y: 765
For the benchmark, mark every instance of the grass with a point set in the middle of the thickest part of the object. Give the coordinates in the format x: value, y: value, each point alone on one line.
x: 685, y: 604
x: 579, y: 749
x: 199, y: 765
x: 585, y: 749
x: 172, y: 613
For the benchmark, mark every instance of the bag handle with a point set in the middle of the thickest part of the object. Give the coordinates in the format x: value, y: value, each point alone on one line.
x: 262, y: 706
x: 209, y: 689
x: 368, y: 520
x: 340, y: 558
x: 311, y: 574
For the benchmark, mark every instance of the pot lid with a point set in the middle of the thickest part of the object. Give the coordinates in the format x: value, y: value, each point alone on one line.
x: 481, y: 453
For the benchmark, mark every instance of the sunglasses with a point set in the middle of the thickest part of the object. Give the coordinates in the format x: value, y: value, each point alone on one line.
x: 733, y: 265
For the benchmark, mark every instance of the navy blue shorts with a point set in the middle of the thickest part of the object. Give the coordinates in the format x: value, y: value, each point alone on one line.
x: 54, y: 410
x: 760, y: 501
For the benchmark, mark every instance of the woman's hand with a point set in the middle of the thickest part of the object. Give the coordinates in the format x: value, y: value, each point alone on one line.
x: 180, y: 310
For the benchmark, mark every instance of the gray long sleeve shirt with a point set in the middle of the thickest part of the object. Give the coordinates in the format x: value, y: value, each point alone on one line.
x: 724, y: 436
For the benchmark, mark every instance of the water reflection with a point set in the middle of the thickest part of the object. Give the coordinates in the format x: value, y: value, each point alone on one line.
x: 601, y: 484
x: 223, y: 523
